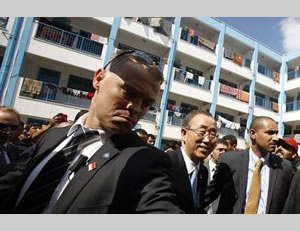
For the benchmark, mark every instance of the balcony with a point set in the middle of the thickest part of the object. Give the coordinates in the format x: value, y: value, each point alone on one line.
x: 293, y: 74
x: 195, y: 80
x: 293, y: 106
x: 235, y: 93
x: 268, y: 73
x: 175, y: 118
x: 266, y: 104
x: 194, y: 38
x: 150, y: 115
x: 38, y: 90
x: 227, y: 131
x: 68, y: 39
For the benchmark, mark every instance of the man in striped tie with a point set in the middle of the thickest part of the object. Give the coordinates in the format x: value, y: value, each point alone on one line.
x: 98, y: 165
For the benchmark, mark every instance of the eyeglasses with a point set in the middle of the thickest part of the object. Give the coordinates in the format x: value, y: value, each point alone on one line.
x: 202, y: 133
x: 6, y: 126
x: 138, y: 55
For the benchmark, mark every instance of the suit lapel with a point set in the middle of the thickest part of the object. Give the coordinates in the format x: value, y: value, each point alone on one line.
x: 272, y: 180
x: 105, y: 154
x: 182, y: 178
x: 243, y: 175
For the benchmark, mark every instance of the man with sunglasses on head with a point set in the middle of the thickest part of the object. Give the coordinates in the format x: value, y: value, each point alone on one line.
x: 198, y: 137
x: 252, y: 181
x: 113, y: 170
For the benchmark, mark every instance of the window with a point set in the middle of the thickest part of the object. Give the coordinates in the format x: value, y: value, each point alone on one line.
x: 3, y: 22
x: 187, y: 108
x: 80, y: 83
x: 230, y: 84
x: 247, y: 62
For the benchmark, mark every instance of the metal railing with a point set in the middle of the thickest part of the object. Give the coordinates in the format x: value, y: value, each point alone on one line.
x: 293, y: 74
x: 194, y: 82
x: 150, y: 115
x: 175, y: 118
x: 68, y: 39
x: 293, y: 106
x: 53, y: 93
x: 267, y: 104
x: 228, y: 131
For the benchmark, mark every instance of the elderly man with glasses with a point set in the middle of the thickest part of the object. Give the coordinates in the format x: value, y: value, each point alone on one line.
x: 98, y: 164
x: 198, y: 137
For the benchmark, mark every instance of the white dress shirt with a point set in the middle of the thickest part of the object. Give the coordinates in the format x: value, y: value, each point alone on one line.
x: 190, y: 165
x: 265, y: 176
x: 212, y: 169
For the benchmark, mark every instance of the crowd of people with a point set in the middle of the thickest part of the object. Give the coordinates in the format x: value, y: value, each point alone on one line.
x: 99, y: 164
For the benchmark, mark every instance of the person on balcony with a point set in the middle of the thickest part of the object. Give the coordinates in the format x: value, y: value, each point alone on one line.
x: 99, y: 165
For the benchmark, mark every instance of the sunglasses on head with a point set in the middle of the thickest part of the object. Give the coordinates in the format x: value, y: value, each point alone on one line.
x: 138, y: 55
x: 6, y: 126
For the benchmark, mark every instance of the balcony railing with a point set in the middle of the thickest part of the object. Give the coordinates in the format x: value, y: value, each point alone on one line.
x: 267, y: 104
x: 178, y: 76
x: 68, y: 39
x: 228, y: 131
x: 293, y: 106
x: 236, y: 58
x: 293, y: 74
x: 194, y: 38
x: 175, y: 118
x: 52, y: 93
x: 150, y: 115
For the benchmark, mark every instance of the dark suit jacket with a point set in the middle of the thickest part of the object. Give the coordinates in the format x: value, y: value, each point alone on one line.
x: 230, y: 180
x: 182, y: 183
x: 129, y: 178
x: 292, y: 204
x: 214, y: 204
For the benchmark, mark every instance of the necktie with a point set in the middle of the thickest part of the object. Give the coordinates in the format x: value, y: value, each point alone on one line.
x: 193, y: 179
x: 254, y: 193
x: 43, y: 185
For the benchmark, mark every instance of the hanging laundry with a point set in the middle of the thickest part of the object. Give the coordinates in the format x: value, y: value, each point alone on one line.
x: 90, y: 95
x: 189, y: 75
x: 229, y: 124
x: 228, y: 54
x: 155, y: 22
x: 36, y: 87
x: 276, y: 76
x: 201, y: 80
x: 206, y: 43
x: 27, y: 85
x: 228, y: 90
x: 242, y: 95
x: 237, y: 58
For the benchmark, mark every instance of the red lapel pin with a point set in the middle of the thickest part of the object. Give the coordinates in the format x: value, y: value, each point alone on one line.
x: 92, y: 166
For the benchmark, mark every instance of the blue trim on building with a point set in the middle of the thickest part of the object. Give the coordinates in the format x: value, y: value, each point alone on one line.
x: 240, y: 37
x: 9, y: 53
x: 272, y: 54
x: 215, y: 92
x: 216, y: 24
x: 8, y: 100
x: 282, y: 96
x: 112, y: 39
x: 292, y: 55
x: 164, y: 99
x: 254, y: 65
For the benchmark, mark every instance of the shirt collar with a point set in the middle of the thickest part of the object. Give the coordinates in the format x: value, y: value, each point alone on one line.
x: 81, y: 122
x: 254, y: 158
x: 190, y: 165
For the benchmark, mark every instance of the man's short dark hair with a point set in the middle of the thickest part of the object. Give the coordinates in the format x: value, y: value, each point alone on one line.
x: 191, y: 115
x: 258, y: 121
x: 141, y: 131
x: 173, y: 144
x: 231, y: 138
x: 221, y: 141
x: 151, y: 135
x: 122, y: 57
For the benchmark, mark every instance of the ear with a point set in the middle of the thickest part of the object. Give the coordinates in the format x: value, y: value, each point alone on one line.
x: 183, y: 134
x: 98, y: 77
x: 252, y: 134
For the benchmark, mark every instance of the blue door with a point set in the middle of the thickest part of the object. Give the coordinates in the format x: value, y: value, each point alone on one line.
x: 50, y: 79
